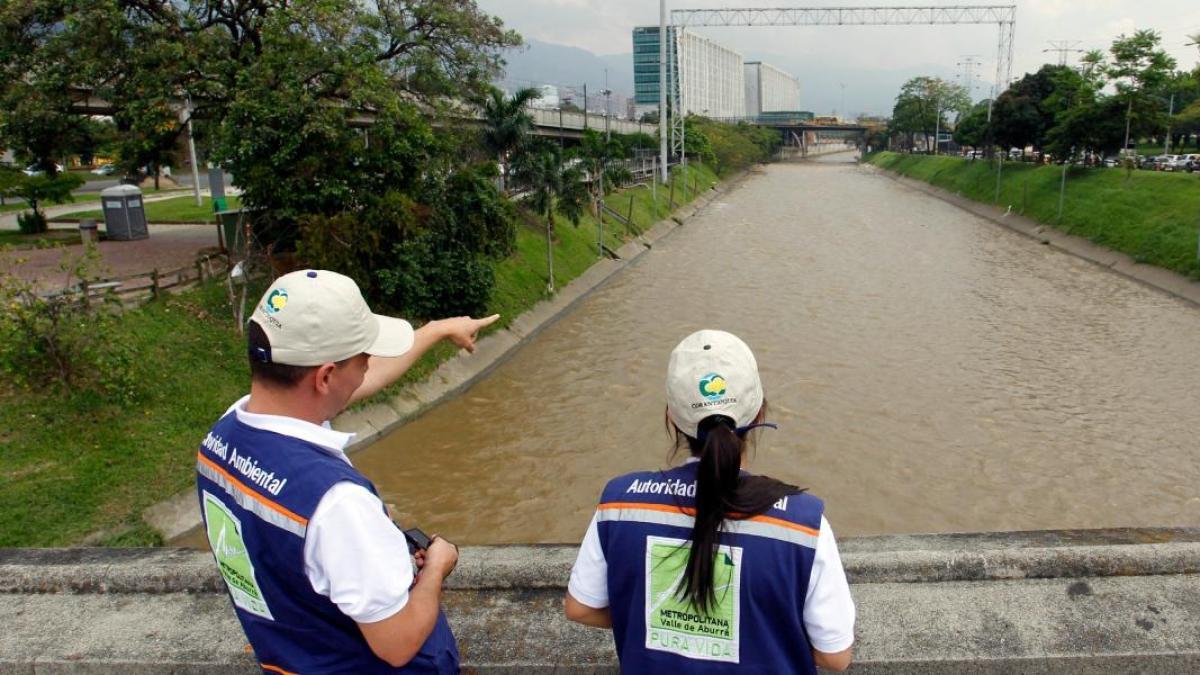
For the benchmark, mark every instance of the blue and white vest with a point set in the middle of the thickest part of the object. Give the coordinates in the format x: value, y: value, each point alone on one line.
x: 257, y: 491
x: 761, y: 574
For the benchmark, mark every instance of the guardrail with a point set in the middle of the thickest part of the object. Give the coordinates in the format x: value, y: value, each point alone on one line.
x: 577, y: 121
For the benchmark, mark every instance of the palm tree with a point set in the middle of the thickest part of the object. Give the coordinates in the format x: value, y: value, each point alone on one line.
x: 551, y: 187
x: 597, y: 153
x: 1093, y: 62
x: 506, y: 124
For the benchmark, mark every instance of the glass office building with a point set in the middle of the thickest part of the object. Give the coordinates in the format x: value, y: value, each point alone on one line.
x: 711, y: 76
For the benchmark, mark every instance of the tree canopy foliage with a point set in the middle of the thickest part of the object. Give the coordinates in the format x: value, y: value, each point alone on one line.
x: 1130, y: 89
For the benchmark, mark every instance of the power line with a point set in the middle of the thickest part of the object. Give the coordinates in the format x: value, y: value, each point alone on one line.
x: 968, y: 64
x: 1064, y: 47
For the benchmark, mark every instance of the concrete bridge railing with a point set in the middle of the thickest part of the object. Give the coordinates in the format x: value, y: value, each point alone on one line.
x: 1100, y: 601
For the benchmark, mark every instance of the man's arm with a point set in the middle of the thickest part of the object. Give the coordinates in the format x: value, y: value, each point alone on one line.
x: 382, y: 371
x: 398, y: 638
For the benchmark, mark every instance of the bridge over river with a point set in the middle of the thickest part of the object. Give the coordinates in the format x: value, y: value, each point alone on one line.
x: 930, y: 372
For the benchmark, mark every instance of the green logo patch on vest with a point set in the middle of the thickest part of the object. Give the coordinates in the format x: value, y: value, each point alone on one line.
x: 674, y: 624
x: 228, y: 547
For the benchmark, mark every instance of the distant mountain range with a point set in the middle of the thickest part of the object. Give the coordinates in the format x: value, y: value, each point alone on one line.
x: 538, y: 63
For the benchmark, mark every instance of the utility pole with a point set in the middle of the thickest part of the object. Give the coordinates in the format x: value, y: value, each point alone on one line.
x: 662, y: 88
x: 192, y: 153
x: 1167, y: 149
x: 561, y: 103
x: 585, y: 113
x: 607, y: 108
x: 937, y: 126
x: 1062, y: 48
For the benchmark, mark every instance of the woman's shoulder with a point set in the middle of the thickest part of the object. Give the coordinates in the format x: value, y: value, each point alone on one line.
x: 629, y: 486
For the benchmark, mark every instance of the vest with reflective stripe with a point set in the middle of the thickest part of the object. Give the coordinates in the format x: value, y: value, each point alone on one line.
x: 257, y: 491
x: 761, y: 578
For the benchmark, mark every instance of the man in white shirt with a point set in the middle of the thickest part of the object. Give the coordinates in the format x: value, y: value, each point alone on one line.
x: 319, y: 575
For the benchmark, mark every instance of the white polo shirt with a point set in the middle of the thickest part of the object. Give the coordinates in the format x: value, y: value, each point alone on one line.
x: 353, y: 553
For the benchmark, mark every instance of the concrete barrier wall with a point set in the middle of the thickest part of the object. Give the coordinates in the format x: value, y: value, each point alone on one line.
x: 1102, y: 601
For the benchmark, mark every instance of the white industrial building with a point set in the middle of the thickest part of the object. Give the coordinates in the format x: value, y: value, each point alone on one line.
x: 769, y: 89
x: 711, y: 80
x: 711, y: 77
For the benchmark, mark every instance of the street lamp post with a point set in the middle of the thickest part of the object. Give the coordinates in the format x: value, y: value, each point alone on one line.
x: 662, y: 88
x: 1170, y: 114
x: 607, y: 129
x: 937, y: 128
x: 560, y: 126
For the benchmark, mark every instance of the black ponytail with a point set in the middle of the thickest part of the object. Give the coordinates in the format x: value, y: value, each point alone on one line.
x: 721, y: 492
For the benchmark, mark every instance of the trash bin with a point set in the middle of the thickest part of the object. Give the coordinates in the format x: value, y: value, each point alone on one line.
x: 124, y: 214
x: 232, y: 232
x: 88, y: 231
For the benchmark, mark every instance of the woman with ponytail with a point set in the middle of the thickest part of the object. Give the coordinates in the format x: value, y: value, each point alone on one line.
x: 705, y: 567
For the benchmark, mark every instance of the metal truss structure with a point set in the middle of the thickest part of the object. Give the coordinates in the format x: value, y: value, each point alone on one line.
x: 1004, y: 16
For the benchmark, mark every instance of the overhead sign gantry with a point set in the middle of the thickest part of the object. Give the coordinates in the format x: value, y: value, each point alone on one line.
x: 1004, y: 16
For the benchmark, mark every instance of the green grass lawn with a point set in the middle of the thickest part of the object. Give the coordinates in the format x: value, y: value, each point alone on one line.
x: 49, y: 239
x: 1155, y: 149
x: 72, y: 465
x: 175, y: 210
x: 84, y: 198
x: 1151, y: 216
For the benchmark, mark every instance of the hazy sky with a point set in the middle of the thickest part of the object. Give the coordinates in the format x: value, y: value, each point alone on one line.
x: 867, y: 59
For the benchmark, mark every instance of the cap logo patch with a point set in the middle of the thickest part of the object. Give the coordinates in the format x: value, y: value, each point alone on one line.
x: 276, y: 301
x: 712, y: 386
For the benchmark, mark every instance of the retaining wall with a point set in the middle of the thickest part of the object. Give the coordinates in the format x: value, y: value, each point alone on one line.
x: 1101, y: 601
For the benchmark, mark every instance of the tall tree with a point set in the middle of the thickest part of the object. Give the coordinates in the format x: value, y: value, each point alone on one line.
x: 552, y: 187
x: 507, y: 124
x: 1028, y: 109
x: 972, y: 129
x: 923, y: 105
x: 1139, y: 68
x: 284, y: 87
x: 597, y: 154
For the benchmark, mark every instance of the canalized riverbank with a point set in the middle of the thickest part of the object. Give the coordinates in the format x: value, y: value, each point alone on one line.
x: 1142, y: 226
x: 1100, y: 601
x: 178, y: 515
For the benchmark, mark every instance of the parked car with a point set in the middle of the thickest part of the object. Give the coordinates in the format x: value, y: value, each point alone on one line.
x: 1110, y: 162
x: 35, y: 170
x: 105, y: 170
x: 1189, y: 163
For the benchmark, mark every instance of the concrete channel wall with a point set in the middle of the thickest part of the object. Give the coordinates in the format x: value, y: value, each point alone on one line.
x: 1100, y: 601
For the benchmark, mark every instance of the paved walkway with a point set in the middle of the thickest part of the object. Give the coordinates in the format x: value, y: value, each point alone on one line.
x: 169, y: 247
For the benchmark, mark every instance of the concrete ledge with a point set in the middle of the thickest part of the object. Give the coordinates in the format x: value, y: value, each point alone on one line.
x: 1041, y: 602
x: 179, y: 514
x: 1156, y: 277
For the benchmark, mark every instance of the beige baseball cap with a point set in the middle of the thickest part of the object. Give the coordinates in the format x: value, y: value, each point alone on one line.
x: 712, y: 373
x: 313, y: 317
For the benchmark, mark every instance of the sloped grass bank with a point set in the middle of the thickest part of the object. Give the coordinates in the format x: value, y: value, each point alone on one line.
x: 1152, y: 217
x: 72, y: 465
